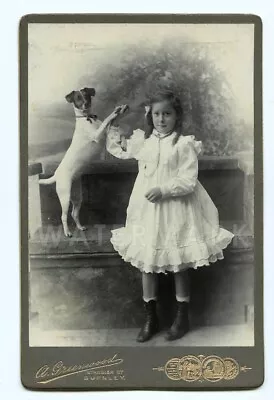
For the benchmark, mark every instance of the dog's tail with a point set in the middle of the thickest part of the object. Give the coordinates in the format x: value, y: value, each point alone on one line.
x: 47, y: 181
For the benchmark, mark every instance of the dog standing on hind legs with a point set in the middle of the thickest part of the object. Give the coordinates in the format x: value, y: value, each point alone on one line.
x: 87, y: 144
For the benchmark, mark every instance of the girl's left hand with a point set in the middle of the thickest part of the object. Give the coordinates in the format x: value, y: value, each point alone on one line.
x: 154, y: 194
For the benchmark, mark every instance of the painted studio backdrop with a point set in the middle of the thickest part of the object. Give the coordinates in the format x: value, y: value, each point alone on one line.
x: 81, y: 293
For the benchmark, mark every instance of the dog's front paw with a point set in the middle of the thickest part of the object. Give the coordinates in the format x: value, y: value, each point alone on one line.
x: 82, y: 228
x: 68, y: 234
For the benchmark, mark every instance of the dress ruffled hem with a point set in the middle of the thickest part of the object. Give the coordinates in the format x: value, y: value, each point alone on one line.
x: 175, y: 259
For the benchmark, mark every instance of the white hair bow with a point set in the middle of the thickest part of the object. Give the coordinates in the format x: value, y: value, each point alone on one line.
x: 147, y: 108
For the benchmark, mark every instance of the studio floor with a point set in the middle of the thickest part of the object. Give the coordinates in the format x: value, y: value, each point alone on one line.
x: 228, y: 335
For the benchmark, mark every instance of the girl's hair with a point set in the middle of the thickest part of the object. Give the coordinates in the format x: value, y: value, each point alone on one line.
x: 175, y: 102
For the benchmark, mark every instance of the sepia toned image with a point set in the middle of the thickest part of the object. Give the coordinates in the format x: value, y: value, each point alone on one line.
x: 141, y: 185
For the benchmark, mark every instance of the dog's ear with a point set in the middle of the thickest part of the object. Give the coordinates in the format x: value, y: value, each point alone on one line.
x: 90, y: 91
x: 69, y: 97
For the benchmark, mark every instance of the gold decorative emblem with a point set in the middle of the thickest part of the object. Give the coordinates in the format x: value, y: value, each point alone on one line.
x: 190, y: 368
x: 172, y: 369
x: 199, y: 368
x: 232, y: 368
x: 213, y: 369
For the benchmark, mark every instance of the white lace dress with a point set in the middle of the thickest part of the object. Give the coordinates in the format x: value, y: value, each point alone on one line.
x: 182, y: 229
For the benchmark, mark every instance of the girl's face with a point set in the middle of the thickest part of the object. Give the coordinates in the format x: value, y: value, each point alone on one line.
x: 163, y: 116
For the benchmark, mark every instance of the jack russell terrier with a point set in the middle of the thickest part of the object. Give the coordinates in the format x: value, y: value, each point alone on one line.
x: 87, y: 143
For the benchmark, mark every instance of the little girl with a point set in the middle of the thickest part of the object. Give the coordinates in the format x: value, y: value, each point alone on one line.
x: 172, y: 223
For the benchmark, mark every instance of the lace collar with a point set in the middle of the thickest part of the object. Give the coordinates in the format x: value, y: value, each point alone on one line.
x: 162, y: 135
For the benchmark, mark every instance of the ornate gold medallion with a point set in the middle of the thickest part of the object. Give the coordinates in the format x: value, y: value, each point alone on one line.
x: 213, y: 369
x: 172, y: 369
x: 200, y: 368
x: 190, y: 368
x: 232, y: 368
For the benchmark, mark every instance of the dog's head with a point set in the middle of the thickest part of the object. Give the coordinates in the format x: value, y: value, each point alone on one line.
x: 81, y: 99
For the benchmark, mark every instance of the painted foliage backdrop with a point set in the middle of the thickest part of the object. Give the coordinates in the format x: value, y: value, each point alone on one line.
x: 215, y: 85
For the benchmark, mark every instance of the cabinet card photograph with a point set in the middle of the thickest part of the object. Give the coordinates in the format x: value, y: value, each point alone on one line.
x: 141, y: 146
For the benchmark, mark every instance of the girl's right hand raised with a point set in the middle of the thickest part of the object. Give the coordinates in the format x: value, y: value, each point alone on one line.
x: 118, y: 111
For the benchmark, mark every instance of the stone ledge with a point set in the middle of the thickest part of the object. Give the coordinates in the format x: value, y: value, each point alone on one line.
x: 120, y: 166
x: 96, y: 239
x: 246, y: 162
x: 92, y: 248
x: 34, y: 168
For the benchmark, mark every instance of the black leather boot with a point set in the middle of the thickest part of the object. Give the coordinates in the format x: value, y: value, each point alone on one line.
x: 180, y: 325
x: 151, y: 324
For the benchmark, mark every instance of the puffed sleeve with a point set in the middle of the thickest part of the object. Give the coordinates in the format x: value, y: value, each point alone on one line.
x: 185, y: 180
x: 133, y: 145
